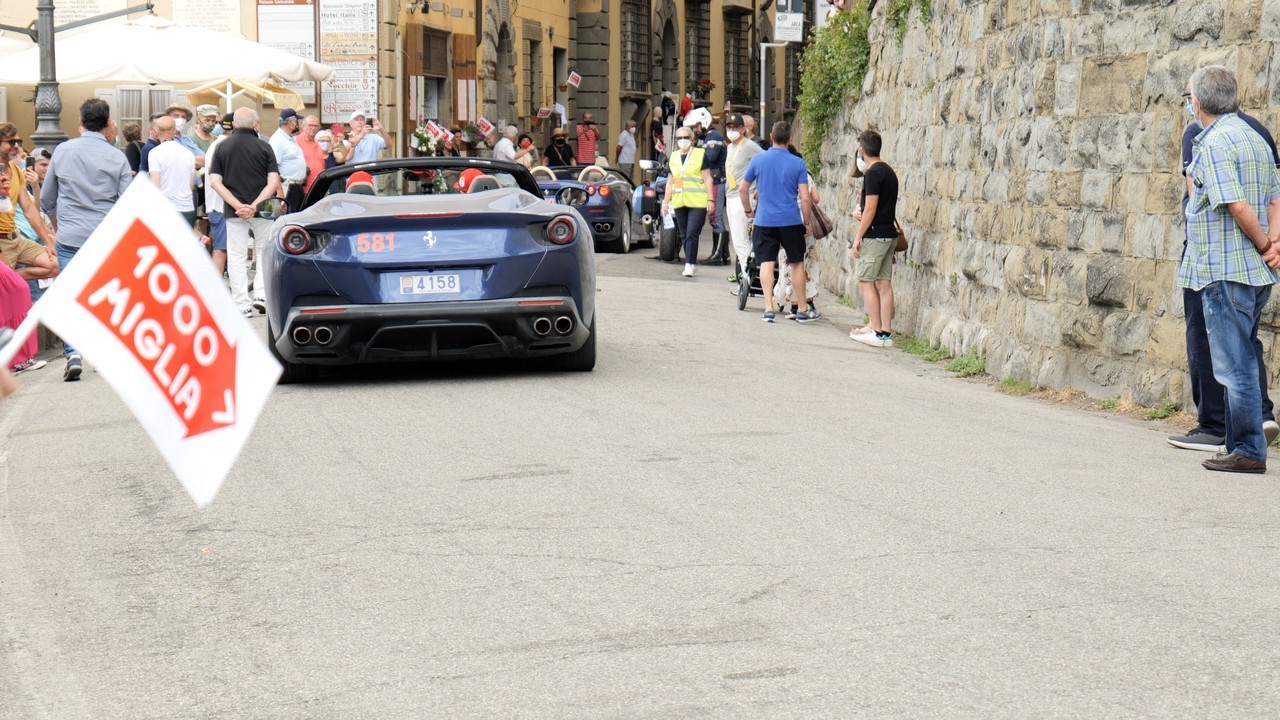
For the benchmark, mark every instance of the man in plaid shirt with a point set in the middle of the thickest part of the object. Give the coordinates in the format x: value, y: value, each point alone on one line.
x: 1233, y: 227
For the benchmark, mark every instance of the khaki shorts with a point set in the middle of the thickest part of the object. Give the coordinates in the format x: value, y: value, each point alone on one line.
x: 20, y: 251
x: 876, y: 262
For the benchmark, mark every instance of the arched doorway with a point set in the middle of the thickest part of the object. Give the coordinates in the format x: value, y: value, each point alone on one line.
x: 505, y: 73
x: 671, y: 58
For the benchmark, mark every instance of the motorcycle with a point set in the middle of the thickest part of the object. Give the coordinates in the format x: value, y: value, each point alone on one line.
x: 660, y: 231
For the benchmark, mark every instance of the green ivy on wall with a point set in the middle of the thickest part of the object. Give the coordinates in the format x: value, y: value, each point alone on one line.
x: 832, y: 69
x: 897, y: 14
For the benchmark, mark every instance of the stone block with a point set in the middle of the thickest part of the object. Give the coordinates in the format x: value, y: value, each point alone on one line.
x: 1148, y: 236
x: 1082, y: 327
x: 1197, y: 18
x: 1026, y: 271
x: 1130, y: 193
x: 1108, y: 282
x: 1066, y: 89
x: 1269, y: 28
x: 1163, y: 192
x: 1125, y: 334
x: 1065, y: 188
x: 1095, y: 191
x: 1253, y: 71
x: 1167, y: 343
x: 1037, y: 188
x: 1068, y: 276
x: 1042, y: 324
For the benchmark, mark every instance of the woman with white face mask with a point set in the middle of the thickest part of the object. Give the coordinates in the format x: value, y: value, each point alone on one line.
x: 687, y: 195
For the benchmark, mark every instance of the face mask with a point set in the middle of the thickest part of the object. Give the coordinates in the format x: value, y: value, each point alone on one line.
x: 216, y: 130
x: 1191, y: 113
x: 734, y: 135
x: 6, y: 205
x: 684, y: 143
x: 631, y: 130
x: 559, y: 141
x: 178, y: 123
x: 325, y: 145
x: 862, y: 165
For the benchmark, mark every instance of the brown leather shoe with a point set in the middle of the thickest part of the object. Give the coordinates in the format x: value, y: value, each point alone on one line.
x: 1223, y: 462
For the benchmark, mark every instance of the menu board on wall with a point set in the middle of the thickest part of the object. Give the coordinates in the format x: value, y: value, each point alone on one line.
x: 290, y: 25
x: 66, y: 11
x: 349, y: 45
x: 220, y: 15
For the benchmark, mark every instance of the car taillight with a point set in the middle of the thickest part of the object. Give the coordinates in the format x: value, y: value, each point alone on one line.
x: 591, y: 189
x: 295, y: 240
x: 650, y: 193
x: 562, y: 230
x: 604, y: 191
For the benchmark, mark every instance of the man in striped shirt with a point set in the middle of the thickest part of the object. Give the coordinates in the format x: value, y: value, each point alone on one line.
x: 588, y: 138
x: 1233, y: 227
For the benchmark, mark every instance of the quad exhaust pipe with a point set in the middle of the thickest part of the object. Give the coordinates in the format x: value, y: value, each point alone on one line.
x: 323, y: 335
x: 542, y: 326
x: 301, y: 335
x: 564, y: 324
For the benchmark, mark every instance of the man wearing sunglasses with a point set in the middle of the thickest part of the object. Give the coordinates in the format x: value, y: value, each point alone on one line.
x: 17, y: 197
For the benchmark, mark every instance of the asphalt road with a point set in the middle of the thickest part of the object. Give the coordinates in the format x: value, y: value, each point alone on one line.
x: 726, y: 519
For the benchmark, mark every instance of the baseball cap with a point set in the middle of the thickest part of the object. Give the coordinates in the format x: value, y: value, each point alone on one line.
x: 41, y: 153
x: 207, y: 110
x: 356, y: 114
x: 288, y: 114
x: 467, y: 177
x: 227, y: 121
x: 733, y: 119
x: 360, y: 178
x: 180, y: 108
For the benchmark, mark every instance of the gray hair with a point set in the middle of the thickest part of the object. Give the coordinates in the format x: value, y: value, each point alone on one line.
x: 324, y: 135
x: 510, y: 131
x: 244, y: 118
x: 1215, y: 87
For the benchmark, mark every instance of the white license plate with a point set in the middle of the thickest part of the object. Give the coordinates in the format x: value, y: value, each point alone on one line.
x: 430, y: 284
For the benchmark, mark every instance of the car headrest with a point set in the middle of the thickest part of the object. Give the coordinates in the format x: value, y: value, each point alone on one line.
x: 360, y: 189
x: 481, y: 184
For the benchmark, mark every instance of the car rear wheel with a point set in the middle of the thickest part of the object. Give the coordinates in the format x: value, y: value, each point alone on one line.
x: 581, y: 360
x: 293, y: 372
x: 623, y: 244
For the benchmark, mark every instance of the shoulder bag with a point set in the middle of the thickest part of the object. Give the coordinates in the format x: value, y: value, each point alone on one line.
x: 819, y: 223
x: 901, y: 245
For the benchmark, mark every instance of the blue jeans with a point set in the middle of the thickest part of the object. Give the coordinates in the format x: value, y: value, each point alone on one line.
x: 1207, y: 394
x: 1231, y: 313
x: 690, y: 222
x: 65, y: 253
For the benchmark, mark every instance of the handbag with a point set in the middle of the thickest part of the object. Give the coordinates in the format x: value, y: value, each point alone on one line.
x: 901, y: 245
x: 819, y: 223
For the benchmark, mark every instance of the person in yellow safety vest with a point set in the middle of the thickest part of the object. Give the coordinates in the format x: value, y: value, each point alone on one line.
x: 687, y: 194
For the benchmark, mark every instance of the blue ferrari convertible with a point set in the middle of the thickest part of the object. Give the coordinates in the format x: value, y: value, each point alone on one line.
x: 602, y: 195
x: 429, y: 259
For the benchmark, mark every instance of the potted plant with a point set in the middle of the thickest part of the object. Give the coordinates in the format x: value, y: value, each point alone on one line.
x: 701, y: 87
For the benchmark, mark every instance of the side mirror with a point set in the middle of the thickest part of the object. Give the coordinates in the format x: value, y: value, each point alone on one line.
x: 272, y: 208
x: 647, y: 165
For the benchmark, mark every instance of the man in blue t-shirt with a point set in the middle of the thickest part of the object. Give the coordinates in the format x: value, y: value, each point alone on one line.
x: 781, y: 216
x: 1206, y: 392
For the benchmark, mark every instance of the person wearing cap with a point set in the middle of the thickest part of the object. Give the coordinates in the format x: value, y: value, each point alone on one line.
x: 687, y: 193
x: 558, y: 153
x: 215, y: 207
x: 207, y: 127
x: 366, y: 138
x: 361, y: 183
x: 181, y: 117
x: 16, y: 198
x: 245, y: 173
x: 737, y: 157
x: 173, y: 170
x: 289, y: 157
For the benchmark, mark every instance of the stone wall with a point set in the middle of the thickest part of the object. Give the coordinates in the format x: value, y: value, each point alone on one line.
x: 1038, y: 143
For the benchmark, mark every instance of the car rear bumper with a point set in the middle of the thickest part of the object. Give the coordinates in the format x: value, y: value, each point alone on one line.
x: 350, y: 334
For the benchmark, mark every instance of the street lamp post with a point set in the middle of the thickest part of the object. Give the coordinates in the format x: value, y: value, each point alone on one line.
x: 764, y: 128
x: 48, y: 131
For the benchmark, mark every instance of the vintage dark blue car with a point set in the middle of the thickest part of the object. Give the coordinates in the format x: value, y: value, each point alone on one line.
x: 429, y: 259
x: 603, y: 196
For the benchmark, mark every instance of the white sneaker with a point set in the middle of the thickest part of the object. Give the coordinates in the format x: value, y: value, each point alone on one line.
x: 688, y: 270
x: 868, y: 338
